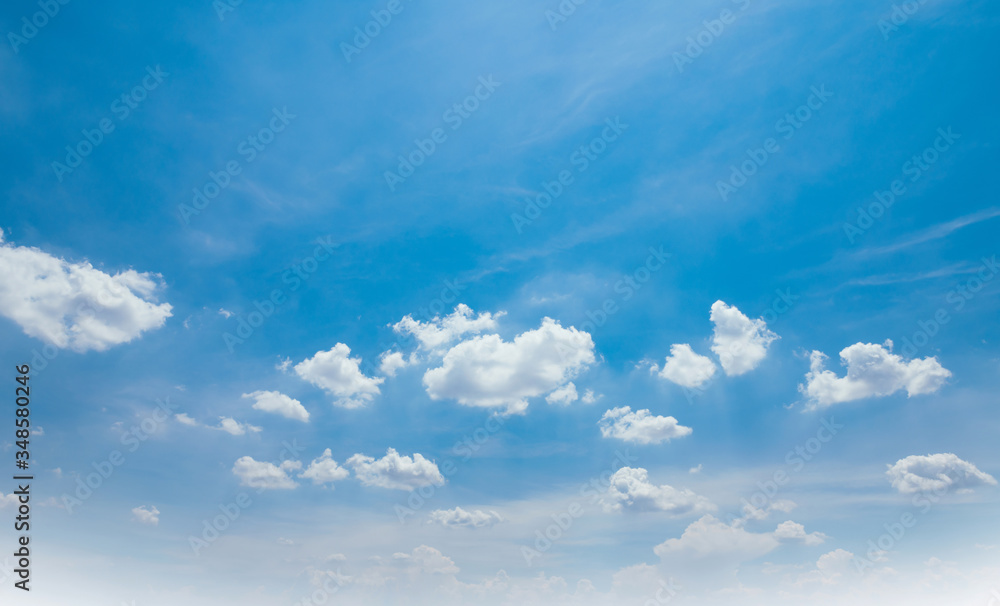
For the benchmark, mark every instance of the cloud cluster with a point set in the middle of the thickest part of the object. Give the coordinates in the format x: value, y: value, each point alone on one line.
x: 337, y: 373
x: 488, y: 372
x: 396, y: 471
x: 630, y: 490
x: 938, y: 473
x: 740, y: 343
x: 73, y: 305
x: 441, y: 331
x: 640, y: 427
x: 460, y: 518
x: 278, y: 403
x: 872, y: 371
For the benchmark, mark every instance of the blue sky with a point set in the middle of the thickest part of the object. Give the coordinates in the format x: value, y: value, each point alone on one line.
x: 302, y: 137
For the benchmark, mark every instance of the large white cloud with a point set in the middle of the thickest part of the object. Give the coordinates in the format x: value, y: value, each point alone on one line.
x: 686, y: 368
x: 460, y: 518
x: 337, y: 373
x: 640, y: 427
x: 872, y: 370
x: 263, y: 475
x: 487, y: 371
x: 710, y: 537
x: 739, y: 342
x: 324, y: 470
x: 396, y: 471
x: 936, y: 472
x: 73, y: 305
x: 630, y: 490
x: 278, y: 403
x: 441, y: 331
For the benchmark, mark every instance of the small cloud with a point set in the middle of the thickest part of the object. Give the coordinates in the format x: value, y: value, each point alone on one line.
x: 38, y: 431
x: 284, y: 541
x: 697, y: 469
x: 564, y: 395
x: 146, y: 515
x: 225, y: 313
x: 234, y: 427
x: 185, y: 419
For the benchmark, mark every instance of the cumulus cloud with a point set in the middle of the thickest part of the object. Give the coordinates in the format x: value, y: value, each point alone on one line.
x: 337, y: 373
x: 391, y: 362
x: 427, y: 560
x: 324, y: 470
x: 710, y: 537
x: 442, y: 331
x: 73, y: 305
x: 266, y: 476
x: 395, y: 471
x: 936, y: 472
x: 793, y: 532
x: 235, y: 428
x: 146, y: 515
x: 872, y: 370
x: 186, y: 419
x: 640, y: 427
x: 685, y: 368
x: 488, y: 372
x: 631, y: 490
x: 460, y: 518
x: 739, y: 342
x: 564, y: 395
x: 8, y: 500
x: 278, y: 403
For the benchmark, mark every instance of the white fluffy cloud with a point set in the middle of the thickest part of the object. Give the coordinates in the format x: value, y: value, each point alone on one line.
x: 640, y: 427
x: 146, y: 515
x: 278, y: 403
x: 234, y: 427
x: 487, y: 371
x: 686, y: 368
x: 739, y: 342
x: 442, y: 331
x: 324, y: 470
x: 631, y: 490
x: 73, y: 305
x: 395, y: 471
x: 337, y: 373
x: 460, y: 518
x: 8, y: 500
x: 266, y: 476
x: 872, y: 370
x: 564, y: 395
x: 710, y: 537
x: 936, y: 472
x: 391, y: 362
x: 793, y: 532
